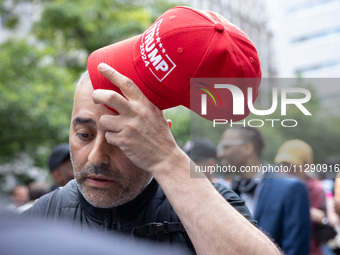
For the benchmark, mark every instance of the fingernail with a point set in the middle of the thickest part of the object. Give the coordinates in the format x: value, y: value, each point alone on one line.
x: 103, y: 67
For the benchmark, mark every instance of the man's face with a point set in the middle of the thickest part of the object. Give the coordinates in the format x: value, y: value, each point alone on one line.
x: 105, y: 176
x: 64, y: 173
x: 230, y: 149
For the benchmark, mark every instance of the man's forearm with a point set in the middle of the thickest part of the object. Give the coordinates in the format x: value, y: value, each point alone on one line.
x: 212, y: 224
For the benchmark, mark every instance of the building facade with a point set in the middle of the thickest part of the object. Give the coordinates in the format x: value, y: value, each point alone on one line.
x: 307, y: 38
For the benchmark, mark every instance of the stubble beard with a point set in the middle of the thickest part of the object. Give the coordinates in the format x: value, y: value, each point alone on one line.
x: 108, y: 198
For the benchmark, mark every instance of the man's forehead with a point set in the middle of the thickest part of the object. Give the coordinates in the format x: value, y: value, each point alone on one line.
x: 84, y: 105
x: 84, y: 88
x: 83, y: 96
x: 231, y: 134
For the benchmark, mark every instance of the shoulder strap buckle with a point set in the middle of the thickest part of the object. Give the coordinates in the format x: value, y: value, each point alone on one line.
x: 156, y: 228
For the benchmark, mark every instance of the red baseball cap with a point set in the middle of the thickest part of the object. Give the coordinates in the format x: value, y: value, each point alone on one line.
x: 183, y: 43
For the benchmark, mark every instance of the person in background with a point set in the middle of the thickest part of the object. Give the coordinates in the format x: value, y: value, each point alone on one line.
x: 334, y: 163
x: 203, y: 153
x: 36, y: 190
x: 299, y: 154
x: 328, y: 178
x: 328, y: 183
x: 20, y: 195
x: 278, y: 203
x: 60, y: 165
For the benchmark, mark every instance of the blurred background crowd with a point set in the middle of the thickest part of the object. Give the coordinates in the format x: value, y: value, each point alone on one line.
x: 299, y: 209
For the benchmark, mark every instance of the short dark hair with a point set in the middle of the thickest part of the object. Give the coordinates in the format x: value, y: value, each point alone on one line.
x: 252, y: 135
x: 200, y: 149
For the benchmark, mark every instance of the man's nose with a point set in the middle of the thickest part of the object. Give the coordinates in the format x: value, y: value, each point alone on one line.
x: 100, y: 152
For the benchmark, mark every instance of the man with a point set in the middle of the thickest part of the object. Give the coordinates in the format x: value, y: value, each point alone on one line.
x: 60, y: 165
x: 130, y: 175
x: 279, y: 204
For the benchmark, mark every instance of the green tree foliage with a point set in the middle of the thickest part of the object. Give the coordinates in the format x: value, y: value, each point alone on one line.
x: 35, y: 101
x: 9, y: 18
x: 69, y: 27
x: 38, y: 76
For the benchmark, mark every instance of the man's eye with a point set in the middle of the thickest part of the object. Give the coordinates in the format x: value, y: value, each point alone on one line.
x: 83, y: 136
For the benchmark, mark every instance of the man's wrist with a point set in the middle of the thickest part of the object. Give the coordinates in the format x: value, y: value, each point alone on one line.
x: 176, y: 161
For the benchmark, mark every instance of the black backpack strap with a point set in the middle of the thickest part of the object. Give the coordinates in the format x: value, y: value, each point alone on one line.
x: 157, y: 228
x: 45, y: 206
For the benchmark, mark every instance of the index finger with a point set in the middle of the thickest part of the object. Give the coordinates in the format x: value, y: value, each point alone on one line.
x: 129, y: 89
x: 112, y: 99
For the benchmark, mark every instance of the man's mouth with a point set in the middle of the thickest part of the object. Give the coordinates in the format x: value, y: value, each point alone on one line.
x: 99, y: 181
